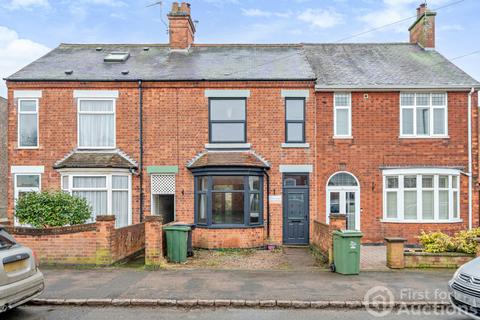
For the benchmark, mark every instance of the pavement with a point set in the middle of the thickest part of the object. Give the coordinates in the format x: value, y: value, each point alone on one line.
x: 61, y: 313
x: 228, y: 285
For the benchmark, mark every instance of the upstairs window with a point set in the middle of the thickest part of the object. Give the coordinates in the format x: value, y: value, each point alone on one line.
x: 423, y: 115
x: 342, y: 115
x: 295, y: 120
x: 96, y: 123
x: 227, y: 120
x: 27, y: 123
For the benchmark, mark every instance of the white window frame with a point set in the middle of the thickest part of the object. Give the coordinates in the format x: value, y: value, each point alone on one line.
x: 17, y: 190
x: 19, y: 113
x: 70, y: 189
x: 349, y: 109
x: 114, y: 112
x: 419, y: 173
x: 431, y: 117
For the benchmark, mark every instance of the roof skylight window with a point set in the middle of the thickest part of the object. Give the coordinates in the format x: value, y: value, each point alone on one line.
x: 117, y: 57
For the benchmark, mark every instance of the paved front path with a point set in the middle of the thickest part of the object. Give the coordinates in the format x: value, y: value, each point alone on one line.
x: 373, y: 258
x: 232, y: 284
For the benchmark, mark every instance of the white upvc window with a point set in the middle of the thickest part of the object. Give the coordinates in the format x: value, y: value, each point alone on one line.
x: 342, y: 115
x: 96, y: 123
x: 423, y: 195
x: 27, y: 123
x: 26, y: 183
x: 105, y: 193
x: 423, y: 115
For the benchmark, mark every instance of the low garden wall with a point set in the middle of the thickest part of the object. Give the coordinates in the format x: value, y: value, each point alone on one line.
x: 399, y: 258
x: 98, y: 243
x: 228, y: 238
x: 322, y: 235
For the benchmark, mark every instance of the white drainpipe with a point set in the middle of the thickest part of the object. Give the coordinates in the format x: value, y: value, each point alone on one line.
x: 470, y: 177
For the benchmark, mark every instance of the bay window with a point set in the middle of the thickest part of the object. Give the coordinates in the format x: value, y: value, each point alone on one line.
x: 96, y: 123
x: 423, y: 196
x: 423, y: 115
x: 228, y: 200
x: 105, y: 193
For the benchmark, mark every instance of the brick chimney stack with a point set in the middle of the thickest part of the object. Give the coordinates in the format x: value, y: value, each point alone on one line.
x: 422, y: 31
x: 181, y: 27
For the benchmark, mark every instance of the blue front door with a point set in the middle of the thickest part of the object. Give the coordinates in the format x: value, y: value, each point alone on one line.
x: 295, y: 210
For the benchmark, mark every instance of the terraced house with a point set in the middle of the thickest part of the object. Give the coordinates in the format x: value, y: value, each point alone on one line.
x: 255, y: 144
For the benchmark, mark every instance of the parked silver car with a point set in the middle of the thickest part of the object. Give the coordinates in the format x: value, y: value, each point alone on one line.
x: 464, y: 289
x: 20, y: 279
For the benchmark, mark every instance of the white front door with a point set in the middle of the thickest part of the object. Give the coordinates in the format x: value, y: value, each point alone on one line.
x: 344, y: 201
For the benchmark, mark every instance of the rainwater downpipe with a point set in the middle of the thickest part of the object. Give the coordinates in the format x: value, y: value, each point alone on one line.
x: 268, y: 203
x: 470, y: 177
x: 140, y: 133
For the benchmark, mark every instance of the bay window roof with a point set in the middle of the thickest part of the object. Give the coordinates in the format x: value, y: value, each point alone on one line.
x: 115, y: 159
x: 228, y: 159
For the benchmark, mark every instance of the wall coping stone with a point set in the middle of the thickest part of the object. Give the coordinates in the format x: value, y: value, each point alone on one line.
x: 51, y: 231
x: 395, y: 240
x: 106, y: 218
x: 153, y: 218
x: 441, y: 254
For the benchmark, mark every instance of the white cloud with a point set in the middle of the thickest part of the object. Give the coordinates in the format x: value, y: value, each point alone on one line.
x: 262, y: 13
x: 109, y: 3
x: 321, y: 18
x: 26, y: 4
x: 391, y: 11
x: 451, y: 27
x: 16, y: 53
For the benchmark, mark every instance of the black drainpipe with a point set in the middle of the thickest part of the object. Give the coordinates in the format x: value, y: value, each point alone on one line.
x: 140, y: 163
x: 268, y: 203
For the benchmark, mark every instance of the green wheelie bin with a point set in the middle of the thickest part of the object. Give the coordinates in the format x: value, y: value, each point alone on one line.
x: 177, y: 242
x: 346, y: 251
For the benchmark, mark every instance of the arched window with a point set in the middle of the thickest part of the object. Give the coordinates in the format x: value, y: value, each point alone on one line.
x: 342, y: 179
x: 343, y: 197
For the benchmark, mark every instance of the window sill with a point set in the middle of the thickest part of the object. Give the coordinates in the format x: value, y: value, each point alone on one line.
x: 95, y: 148
x: 422, y: 221
x: 228, y: 226
x: 228, y: 146
x: 296, y: 145
x: 28, y: 148
x: 342, y: 137
x: 424, y: 137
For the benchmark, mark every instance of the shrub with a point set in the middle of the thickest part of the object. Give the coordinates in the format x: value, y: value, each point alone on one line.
x: 436, y: 242
x: 463, y: 241
x: 51, y: 209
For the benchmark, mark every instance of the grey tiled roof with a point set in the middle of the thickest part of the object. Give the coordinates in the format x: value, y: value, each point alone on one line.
x: 208, y: 62
x: 228, y: 159
x: 387, y: 65
x: 96, y: 159
x: 394, y: 65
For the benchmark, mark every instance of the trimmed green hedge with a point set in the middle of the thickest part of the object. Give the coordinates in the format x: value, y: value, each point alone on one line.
x: 51, y: 209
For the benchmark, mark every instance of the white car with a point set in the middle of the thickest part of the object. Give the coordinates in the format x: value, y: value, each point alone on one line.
x: 464, y: 289
x: 20, y: 279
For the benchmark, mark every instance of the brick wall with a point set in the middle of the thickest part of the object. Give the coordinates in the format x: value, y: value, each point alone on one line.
x: 376, y: 144
x: 3, y: 158
x: 436, y: 260
x: 172, y: 136
x: 89, y: 244
x: 228, y: 238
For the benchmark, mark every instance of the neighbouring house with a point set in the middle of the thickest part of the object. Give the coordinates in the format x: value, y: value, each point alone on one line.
x: 253, y: 143
x: 3, y: 159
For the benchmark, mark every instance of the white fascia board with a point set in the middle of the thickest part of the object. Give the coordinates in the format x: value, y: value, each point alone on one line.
x: 392, y: 88
x: 106, y: 94
x: 227, y: 93
x: 27, y: 94
x: 289, y: 168
x: 399, y: 171
x: 27, y: 169
x: 295, y: 93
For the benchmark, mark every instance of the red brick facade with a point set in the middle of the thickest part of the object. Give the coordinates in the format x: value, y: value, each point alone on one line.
x: 176, y: 129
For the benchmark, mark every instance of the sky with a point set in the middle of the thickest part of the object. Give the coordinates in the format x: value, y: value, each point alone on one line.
x: 30, y: 28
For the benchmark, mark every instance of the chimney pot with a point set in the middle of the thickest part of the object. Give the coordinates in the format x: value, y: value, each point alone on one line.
x: 181, y: 26
x: 422, y: 32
